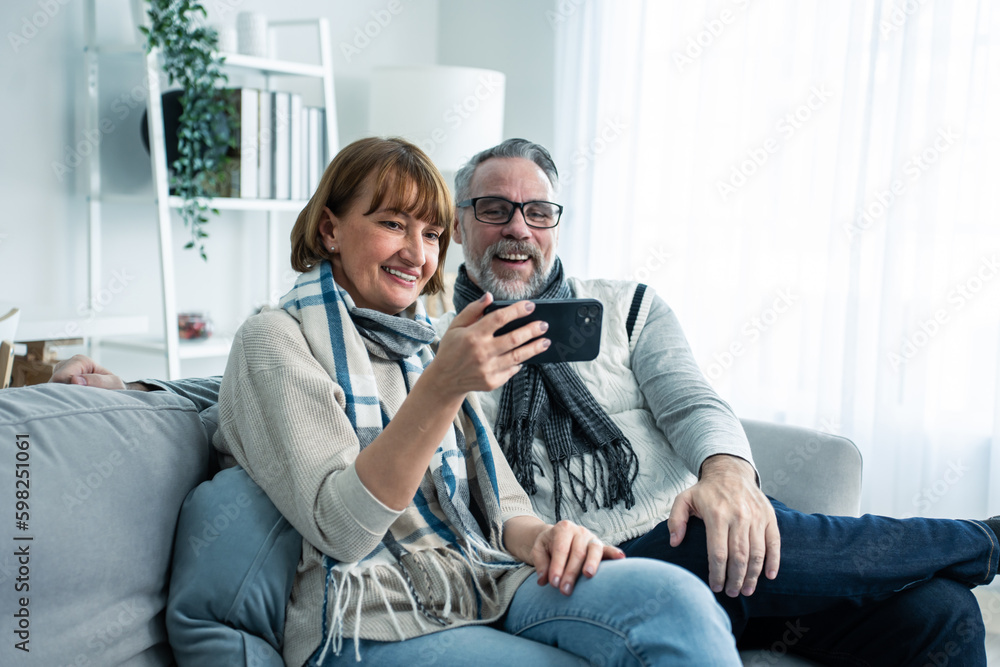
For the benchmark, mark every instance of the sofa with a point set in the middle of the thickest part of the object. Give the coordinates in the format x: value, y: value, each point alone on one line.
x: 94, y: 481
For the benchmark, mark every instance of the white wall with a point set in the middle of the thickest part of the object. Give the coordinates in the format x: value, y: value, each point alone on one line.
x: 515, y: 37
x: 43, y: 229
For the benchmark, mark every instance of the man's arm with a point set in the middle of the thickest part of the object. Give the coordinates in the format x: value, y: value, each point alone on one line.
x: 742, y: 530
x: 78, y: 369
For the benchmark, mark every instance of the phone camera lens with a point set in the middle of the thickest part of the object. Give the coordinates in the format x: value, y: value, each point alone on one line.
x: 593, y: 311
x: 582, y: 311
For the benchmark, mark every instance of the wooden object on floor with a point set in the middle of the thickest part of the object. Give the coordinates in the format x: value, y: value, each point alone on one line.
x: 37, y: 365
x: 6, y: 362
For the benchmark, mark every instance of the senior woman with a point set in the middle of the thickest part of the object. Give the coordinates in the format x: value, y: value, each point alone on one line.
x: 417, y: 540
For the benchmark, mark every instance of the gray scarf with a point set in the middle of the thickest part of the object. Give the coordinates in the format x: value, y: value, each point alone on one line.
x: 553, y: 398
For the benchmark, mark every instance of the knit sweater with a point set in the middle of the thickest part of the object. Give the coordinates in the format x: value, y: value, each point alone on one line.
x: 282, y: 417
x: 654, y: 391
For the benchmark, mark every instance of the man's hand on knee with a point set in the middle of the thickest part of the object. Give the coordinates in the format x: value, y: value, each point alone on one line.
x: 742, y: 531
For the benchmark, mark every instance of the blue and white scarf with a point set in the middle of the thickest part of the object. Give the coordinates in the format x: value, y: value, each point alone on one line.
x: 341, y: 337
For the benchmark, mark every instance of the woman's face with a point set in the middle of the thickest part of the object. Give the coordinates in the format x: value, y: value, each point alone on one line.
x: 382, y: 259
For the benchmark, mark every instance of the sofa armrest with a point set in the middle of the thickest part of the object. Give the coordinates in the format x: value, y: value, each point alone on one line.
x: 808, y: 470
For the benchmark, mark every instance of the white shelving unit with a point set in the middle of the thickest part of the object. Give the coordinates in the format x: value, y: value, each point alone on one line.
x: 169, y: 344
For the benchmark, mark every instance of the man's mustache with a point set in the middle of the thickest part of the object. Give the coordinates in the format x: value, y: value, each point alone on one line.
x: 508, y: 247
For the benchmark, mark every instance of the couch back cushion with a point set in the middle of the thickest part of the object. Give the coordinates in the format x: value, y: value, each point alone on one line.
x: 91, y: 482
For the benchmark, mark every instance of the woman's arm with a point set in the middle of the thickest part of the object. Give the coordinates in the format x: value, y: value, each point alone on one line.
x: 469, y: 358
x: 281, y: 416
x: 559, y: 553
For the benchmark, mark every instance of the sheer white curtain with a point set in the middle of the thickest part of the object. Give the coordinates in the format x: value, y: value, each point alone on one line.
x: 812, y: 187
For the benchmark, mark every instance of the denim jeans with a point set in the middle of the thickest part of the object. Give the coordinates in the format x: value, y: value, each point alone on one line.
x: 633, y: 612
x: 852, y: 591
x: 857, y: 591
x: 235, y: 558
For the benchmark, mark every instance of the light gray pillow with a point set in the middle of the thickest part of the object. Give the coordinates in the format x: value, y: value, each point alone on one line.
x: 106, y: 474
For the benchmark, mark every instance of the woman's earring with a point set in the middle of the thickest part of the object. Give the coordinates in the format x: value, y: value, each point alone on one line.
x: 332, y: 248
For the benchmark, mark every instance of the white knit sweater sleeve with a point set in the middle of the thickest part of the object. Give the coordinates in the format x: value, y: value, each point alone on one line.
x: 282, y: 418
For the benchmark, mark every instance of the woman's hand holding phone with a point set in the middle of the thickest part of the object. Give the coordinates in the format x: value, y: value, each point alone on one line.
x: 471, y: 357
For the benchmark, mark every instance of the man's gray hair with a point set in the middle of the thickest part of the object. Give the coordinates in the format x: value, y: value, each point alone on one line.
x: 521, y: 148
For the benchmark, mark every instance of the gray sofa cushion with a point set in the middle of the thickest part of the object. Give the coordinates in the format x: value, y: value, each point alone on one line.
x: 107, y: 473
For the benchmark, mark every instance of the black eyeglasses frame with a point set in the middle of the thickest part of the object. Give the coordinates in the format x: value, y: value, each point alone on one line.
x: 467, y: 203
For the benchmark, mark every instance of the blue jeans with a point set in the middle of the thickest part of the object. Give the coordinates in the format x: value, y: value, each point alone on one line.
x: 234, y: 563
x: 633, y: 612
x: 857, y: 591
x: 853, y: 591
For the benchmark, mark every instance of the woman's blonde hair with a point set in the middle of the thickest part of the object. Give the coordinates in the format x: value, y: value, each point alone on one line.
x: 396, y: 166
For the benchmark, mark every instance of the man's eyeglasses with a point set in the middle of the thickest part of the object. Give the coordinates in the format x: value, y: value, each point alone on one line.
x: 499, y: 211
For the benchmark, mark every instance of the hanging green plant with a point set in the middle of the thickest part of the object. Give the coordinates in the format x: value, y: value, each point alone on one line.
x: 190, y: 61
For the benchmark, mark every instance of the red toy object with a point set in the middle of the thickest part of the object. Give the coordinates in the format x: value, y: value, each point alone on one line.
x: 191, y: 326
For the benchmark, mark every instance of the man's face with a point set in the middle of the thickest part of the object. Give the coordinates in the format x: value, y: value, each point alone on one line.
x: 513, y: 260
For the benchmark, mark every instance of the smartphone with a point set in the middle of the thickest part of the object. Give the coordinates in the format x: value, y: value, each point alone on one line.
x: 574, y: 328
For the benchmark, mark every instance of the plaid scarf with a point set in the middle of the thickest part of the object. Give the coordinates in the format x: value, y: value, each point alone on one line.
x: 553, y: 398
x: 341, y: 337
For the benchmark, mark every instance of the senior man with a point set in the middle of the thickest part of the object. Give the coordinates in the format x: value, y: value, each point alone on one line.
x: 622, y: 443
x: 619, y: 443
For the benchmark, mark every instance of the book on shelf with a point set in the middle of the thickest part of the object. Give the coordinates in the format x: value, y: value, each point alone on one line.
x: 237, y: 174
x: 316, y: 146
x: 249, y: 123
x: 265, y: 145
x: 282, y: 146
x: 304, y: 154
x: 296, y: 188
x: 312, y: 146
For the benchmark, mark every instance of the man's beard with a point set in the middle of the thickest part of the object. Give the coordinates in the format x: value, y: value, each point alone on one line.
x: 507, y: 288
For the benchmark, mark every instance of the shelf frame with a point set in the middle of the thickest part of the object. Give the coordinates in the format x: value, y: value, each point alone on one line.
x: 170, y: 346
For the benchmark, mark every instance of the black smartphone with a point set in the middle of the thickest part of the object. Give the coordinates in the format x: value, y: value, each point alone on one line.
x: 574, y: 328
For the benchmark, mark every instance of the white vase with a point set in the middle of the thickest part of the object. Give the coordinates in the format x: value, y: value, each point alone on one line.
x: 228, y: 41
x: 251, y: 34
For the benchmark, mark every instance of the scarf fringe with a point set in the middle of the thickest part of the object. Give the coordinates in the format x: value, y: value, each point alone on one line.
x: 346, y: 586
x: 612, y: 473
x: 553, y: 399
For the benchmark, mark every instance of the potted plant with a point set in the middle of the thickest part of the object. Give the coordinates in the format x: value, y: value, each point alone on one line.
x: 190, y: 61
